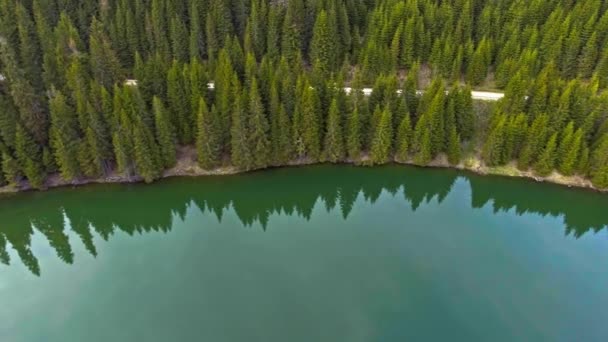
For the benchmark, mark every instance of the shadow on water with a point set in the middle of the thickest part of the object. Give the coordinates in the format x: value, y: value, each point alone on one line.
x: 135, y: 209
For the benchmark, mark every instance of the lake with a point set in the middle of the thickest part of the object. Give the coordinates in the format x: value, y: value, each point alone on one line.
x: 324, y: 253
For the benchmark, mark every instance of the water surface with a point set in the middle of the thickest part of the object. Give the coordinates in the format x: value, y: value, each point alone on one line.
x: 320, y: 253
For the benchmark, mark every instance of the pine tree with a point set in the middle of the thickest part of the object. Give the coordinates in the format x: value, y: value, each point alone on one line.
x: 310, y: 122
x: 208, y: 138
x: 28, y: 156
x: 273, y: 33
x: 404, y: 139
x: 64, y: 137
x: 105, y: 65
x: 453, y: 147
x: 353, y: 135
x: 599, y: 164
x: 291, y: 34
x: 10, y: 168
x: 534, y: 142
x: 258, y: 129
x: 196, y: 43
x: 29, y: 47
x: 8, y: 120
x: 123, y: 145
x: 424, y: 154
x: 241, y: 153
x: 465, y: 117
x: 494, y: 148
x: 546, y: 160
x: 383, y: 139
x: 569, y: 156
x: 334, y: 139
x: 179, y: 40
x: 285, y: 147
x: 3, y: 181
x: 478, y: 67
x: 322, y: 52
x: 180, y: 109
x: 145, y: 152
x: 165, y: 135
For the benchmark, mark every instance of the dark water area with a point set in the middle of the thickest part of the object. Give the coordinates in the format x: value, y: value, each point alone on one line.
x: 324, y: 253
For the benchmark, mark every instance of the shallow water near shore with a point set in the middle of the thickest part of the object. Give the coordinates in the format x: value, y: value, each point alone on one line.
x: 318, y: 253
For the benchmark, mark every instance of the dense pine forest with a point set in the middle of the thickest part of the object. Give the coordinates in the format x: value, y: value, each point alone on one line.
x: 69, y: 103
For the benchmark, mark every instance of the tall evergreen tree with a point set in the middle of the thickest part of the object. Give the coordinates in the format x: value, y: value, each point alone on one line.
x: 29, y: 158
x: 404, y: 139
x: 353, y: 135
x: 208, y: 138
x: 165, y: 135
x: 381, y: 150
x: 258, y: 129
x: 64, y: 137
x: 334, y: 139
x: 546, y: 160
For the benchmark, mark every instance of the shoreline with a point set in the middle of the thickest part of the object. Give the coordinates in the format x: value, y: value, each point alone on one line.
x: 188, y: 167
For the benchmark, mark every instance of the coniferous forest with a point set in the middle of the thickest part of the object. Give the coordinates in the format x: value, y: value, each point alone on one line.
x: 90, y: 88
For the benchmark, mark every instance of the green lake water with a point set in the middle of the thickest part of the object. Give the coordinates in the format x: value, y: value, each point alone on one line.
x: 320, y: 253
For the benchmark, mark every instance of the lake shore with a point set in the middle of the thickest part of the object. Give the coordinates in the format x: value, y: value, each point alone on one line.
x: 187, y: 166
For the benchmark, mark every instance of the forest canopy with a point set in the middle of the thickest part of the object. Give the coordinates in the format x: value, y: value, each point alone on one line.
x: 278, y: 69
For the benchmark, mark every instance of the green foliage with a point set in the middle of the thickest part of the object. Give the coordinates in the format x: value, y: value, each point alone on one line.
x: 353, y: 135
x: 599, y: 164
x: 258, y: 129
x: 546, y: 161
x: 404, y: 139
x: 208, y: 138
x: 453, y: 147
x: 10, y: 169
x: 382, y: 144
x: 29, y: 158
x: 164, y: 134
x: 276, y: 68
x: 240, y: 147
x: 145, y: 152
x: 64, y: 137
x: 334, y: 139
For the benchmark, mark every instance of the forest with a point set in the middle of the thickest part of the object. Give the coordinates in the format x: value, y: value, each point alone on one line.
x: 90, y: 88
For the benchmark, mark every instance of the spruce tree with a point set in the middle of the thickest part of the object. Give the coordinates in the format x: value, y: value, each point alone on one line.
x: 285, y: 146
x: 165, y: 135
x: 534, y: 142
x: 334, y: 139
x: 179, y: 107
x: 322, y: 51
x: 145, y: 152
x: 259, y: 128
x: 10, y: 169
x: 29, y: 158
x: 105, y: 65
x: 404, y: 139
x: 353, y: 135
x: 569, y: 157
x: 196, y: 41
x: 493, y: 150
x: 208, y: 138
x: 311, y: 122
x: 599, y: 164
x: 64, y: 137
x: 240, y: 148
x: 453, y: 147
x: 546, y: 160
x: 382, y: 142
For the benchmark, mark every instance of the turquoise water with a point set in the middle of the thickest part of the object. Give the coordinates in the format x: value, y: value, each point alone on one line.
x: 322, y: 253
